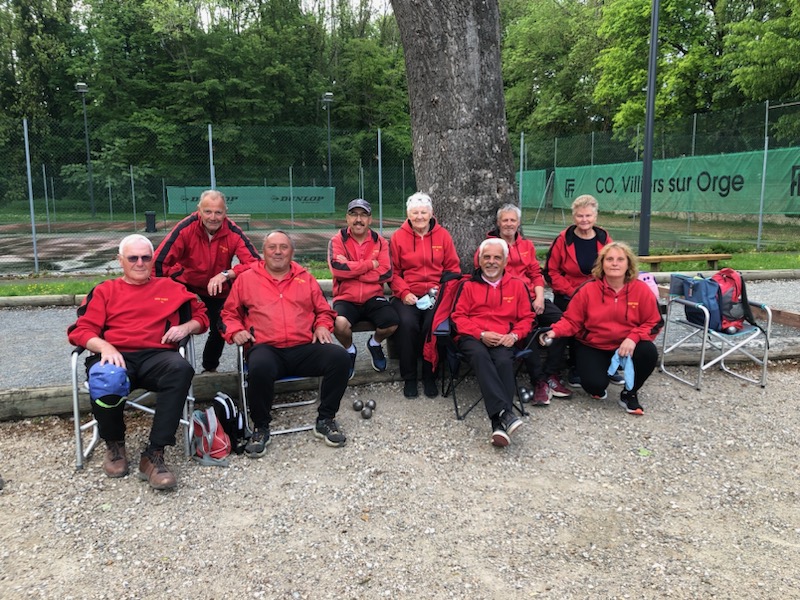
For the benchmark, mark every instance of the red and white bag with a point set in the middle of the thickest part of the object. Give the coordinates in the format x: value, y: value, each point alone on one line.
x: 210, y: 444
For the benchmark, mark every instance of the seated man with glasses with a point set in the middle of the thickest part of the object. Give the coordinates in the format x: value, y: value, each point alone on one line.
x: 132, y: 325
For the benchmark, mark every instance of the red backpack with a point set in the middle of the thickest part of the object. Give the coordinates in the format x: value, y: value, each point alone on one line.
x: 732, y: 299
x: 210, y: 444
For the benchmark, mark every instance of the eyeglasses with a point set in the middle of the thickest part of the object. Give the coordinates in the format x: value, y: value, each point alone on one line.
x: 145, y: 258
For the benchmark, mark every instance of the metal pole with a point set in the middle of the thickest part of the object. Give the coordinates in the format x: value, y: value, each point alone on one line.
x: 327, y: 99
x: 380, y: 183
x: 46, y: 202
x: 53, y: 196
x: 647, y: 159
x: 110, y: 202
x: 763, y: 175
x: 592, y: 156
x: 291, y: 196
x: 133, y: 197
x: 694, y: 131
x: 30, y: 195
x: 521, y: 154
x: 211, y: 158
x: 164, y: 199
x: 82, y: 89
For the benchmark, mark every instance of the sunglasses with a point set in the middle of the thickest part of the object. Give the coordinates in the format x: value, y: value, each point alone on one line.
x: 145, y: 258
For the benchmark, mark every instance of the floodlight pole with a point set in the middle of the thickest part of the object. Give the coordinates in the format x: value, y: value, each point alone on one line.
x: 327, y: 99
x: 649, y: 125
x: 82, y: 89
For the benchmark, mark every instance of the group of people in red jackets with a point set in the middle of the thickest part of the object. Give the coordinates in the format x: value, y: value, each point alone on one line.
x: 207, y: 275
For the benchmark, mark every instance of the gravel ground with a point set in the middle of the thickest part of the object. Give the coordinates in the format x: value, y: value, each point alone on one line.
x: 697, y: 499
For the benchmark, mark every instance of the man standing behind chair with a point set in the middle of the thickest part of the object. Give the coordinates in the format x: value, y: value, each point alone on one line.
x: 198, y: 253
x: 491, y: 314
x: 133, y: 327
x: 278, y: 307
x: 359, y: 262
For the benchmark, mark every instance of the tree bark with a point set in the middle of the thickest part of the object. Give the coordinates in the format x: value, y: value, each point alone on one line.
x: 462, y: 154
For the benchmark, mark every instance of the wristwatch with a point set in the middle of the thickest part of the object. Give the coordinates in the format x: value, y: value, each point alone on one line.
x: 225, y: 274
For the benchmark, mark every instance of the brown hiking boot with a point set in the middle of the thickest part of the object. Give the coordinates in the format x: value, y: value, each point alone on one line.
x: 155, y: 472
x: 115, y: 463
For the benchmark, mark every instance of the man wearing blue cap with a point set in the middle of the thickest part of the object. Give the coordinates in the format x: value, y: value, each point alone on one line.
x: 359, y: 262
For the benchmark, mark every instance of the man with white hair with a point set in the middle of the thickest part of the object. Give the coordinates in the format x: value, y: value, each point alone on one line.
x: 491, y: 315
x: 133, y: 326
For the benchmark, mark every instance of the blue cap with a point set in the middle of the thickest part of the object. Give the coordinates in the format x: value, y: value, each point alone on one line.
x: 108, y: 380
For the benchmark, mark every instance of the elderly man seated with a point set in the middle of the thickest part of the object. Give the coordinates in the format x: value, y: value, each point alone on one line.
x: 278, y: 309
x: 133, y: 327
x: 492, y: 313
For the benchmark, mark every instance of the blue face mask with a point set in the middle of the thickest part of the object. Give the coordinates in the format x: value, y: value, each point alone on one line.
x: 425, y: 302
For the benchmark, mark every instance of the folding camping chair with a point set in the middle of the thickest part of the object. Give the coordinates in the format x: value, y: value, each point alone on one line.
x: 751, y: 343
x: 452, y: 360
x: 83, y: 450
x: 243, y: 372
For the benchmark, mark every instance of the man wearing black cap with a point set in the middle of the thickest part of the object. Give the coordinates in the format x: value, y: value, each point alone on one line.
x: 359, y: 262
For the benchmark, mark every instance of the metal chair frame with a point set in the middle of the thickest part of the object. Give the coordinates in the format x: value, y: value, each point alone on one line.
x: 719, y: 345
x: 452, y: 364
x: 84, y: 450
x: 242, y: 365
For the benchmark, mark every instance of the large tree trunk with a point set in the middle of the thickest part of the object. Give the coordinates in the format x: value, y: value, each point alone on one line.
x: 462, y: 155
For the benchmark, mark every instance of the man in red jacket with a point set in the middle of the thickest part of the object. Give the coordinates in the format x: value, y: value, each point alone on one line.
x: 133, y: 327
x: 278, y: 310
x: 359, y: 262
x: 198, y: 253
x: 493, y: 313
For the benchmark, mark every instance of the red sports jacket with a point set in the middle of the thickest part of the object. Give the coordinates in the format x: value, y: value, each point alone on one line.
x: 356, y: 280
x: 418, y: 262
x: 505, y: 308
x: 561, y: 267
x: 602, y: 318
x: 189, y: 257
x: 281, y: 313
x: 134, y: 317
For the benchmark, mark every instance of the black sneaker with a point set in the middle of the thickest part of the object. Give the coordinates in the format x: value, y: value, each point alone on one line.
x: 377, y: 357
x: 328, y: 430
x: 410, y: 388
x: 573, y: 379
x: 630, y: 402
x: 616, y: 379
x: 510, y: 421
x: 499, y: 436
x: 430, y: 387
x: 257, y: 446
x: 353, y: 355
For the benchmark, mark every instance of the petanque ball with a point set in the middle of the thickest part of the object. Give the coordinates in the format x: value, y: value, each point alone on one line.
x: 357, y: 405
x: 370, y: 404
x: 366, y: 413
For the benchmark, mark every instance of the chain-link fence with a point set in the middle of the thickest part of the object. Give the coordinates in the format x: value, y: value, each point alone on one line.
x: 77, y: 219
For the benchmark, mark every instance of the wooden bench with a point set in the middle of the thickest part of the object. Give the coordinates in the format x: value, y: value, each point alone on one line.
x: 242, y: 220
x: 655, y: 261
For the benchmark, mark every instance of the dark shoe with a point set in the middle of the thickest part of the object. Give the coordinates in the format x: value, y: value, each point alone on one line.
x: 557, y: 388
x: 153, y: 470
x: 410, y: 389
x: 499, y: 436
x: 630, y: 402
x: 573, y: 379
x: 115, y: 463
x: 257, y: 446
x: 353, y: 355
x: 616, y: 379
x: 602, y: 396
x: 509, y: 421
x: 377, y: 357
x: 430, y: 387
x: 328, y: 430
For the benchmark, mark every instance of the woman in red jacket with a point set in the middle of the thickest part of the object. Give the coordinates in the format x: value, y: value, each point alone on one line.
x: 422, y: 254
x: 570, y: 260
x: 614, y: 320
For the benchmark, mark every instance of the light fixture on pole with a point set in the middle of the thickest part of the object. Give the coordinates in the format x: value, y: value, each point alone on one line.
x: 327, y: 99
x: 82, y: 88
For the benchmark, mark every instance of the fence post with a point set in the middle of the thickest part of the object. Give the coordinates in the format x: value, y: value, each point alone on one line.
x: 763, y: 175
x: 211, y: 158
x: 380, y: 183
x: 30, y: 195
